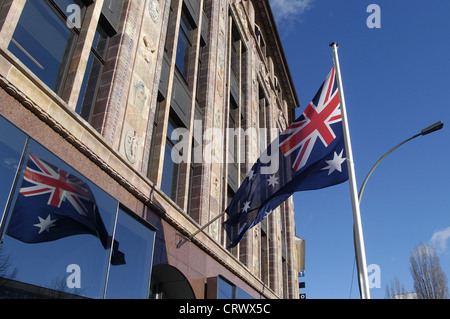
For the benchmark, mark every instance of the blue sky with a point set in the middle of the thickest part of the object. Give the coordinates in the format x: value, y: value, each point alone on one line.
x: 396, y: 83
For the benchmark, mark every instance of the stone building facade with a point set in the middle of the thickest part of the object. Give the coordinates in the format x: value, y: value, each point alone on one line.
x: 107, y: 90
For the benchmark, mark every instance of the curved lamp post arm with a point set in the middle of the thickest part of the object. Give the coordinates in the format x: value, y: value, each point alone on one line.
x: 379, y: 161
x: 435, y: 127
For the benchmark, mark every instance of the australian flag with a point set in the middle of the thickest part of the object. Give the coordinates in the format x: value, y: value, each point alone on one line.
x: 53, y: 204
x: 309, y: 154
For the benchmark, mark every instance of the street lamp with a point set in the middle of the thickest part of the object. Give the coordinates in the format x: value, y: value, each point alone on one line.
x: 430, y: 129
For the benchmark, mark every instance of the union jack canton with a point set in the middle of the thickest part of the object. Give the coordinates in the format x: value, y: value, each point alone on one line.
x: 301, y: 136
x: 59, y: 184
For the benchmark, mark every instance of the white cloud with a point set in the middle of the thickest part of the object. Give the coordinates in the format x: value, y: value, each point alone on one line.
x: 439, y: 240
x: 288, y: 13
x: 289, y: 9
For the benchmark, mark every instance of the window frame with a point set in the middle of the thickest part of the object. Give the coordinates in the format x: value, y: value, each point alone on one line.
x: 175, y: 122
x: 94, y: 56
x: 185, y: 32
x: 58, y: 82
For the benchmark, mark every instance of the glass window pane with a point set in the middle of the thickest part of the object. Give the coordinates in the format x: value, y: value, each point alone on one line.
x: 170, y: 169
x: 59, y: 228
x: 43, y: 42
x: 92, y: 75
x: 132, y: 279
x: 168, y: 172
x: 241, y: 294
x: 171, y: 126
x: 12, y: 141
x: 181, y: 51
x: 100, y: 41
x: 64, y: 4
x: 88, y: 89
x: 225, y: 290
x: 184, y: 24
x: 184, y: 46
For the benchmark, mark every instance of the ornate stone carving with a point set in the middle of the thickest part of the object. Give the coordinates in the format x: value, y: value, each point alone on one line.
x: 139, y: 95
x: 131, y: 139
x: 148, y: 48
x: 154, y: 10
x: 220, y: 74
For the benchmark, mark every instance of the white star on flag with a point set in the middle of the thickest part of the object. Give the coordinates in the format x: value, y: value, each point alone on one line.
x: 335, y: 163
x: 45, y: 224
x: 273, y: 180
x: 246, y: 207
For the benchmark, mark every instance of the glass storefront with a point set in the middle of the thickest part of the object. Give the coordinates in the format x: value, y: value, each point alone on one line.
x: 61, y: 235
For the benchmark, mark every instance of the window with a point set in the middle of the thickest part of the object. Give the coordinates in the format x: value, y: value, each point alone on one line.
x: 234, y: 250
x: 169, y: 183
x: 260, y: 40
x: 278, y: 90
x: 263, y: 138
x: 171, y: 15
x: 199, y: 70
x: 196, y: 153
x: 227, y: 290
x: 235, y: 52
x: 233, y: 145
x: 233, y: 123
x: 92, y: 75
x: 10, y: 153
x: 45, y: 263
x: 136, y: 241
x: 235, y: 66
x: 184, y: 46
x: 57, y: 239
x: 152, y: 155
x: 264, y: 252
x: 43, y: 42
x: 235, y: 58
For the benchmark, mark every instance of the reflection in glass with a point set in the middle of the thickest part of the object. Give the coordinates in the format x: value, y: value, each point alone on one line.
x: 184, y: 46
x: 12, y: 142
x: 43, y: 42
x: 30, y: 266
x: 92, y: 75
x: 169, y: 182
x: 227, y: 290
x: 131, y: 280
x: 45, y: 264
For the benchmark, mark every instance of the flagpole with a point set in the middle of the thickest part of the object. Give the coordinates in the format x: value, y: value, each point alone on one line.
x: 184, y: 241
x: 358, y: 233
